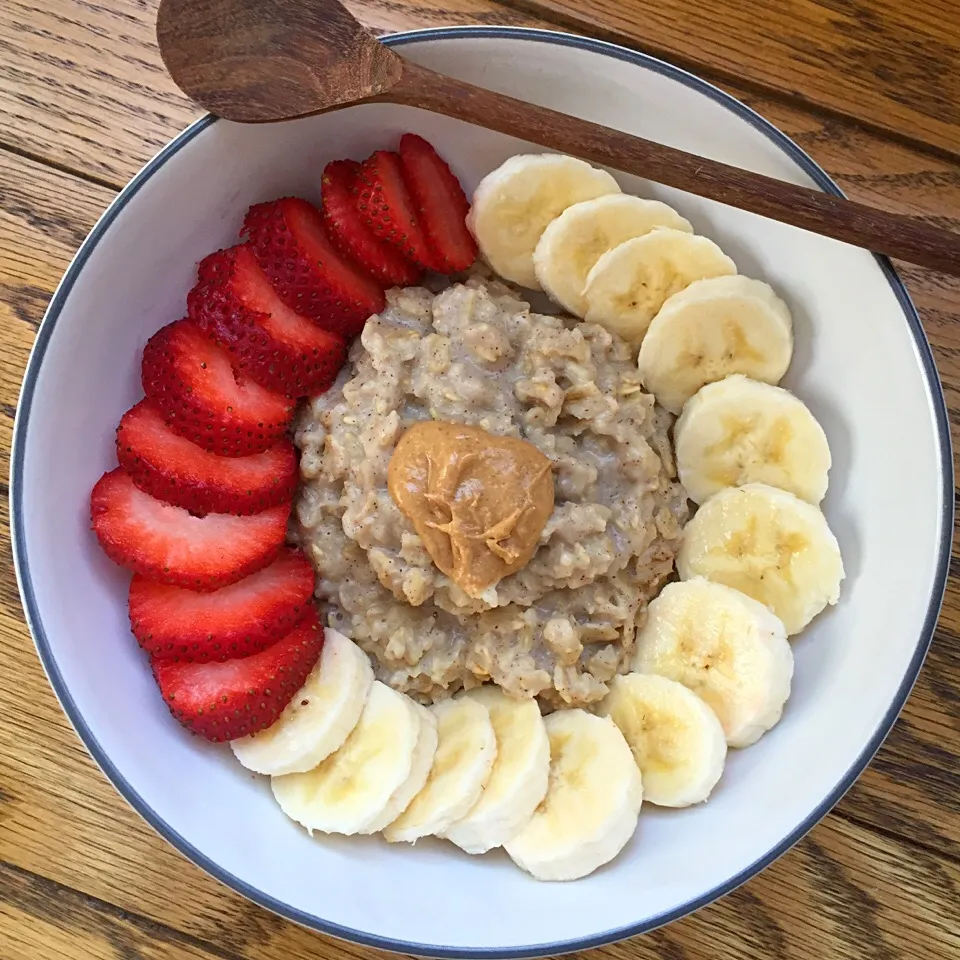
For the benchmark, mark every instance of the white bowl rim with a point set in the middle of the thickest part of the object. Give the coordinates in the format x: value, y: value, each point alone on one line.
x: 45, y: 653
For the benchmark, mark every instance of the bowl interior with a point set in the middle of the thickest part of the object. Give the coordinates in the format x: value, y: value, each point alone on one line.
x: 859, y: 363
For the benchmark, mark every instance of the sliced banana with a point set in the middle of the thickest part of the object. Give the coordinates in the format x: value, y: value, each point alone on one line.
x: 350, y: 790
x: 319, y: 718
x: 575, y: 241
x: 676, y: 739
x: 518, y: 780
x: 464, y: 758
x: 629, y: 284
x: 739, y: 431
x: 423, y: 757
x: 592, y: 803
x: 711, y: 330
x: 513, y: 204
x: 730, y: 650
x: 769, y: 544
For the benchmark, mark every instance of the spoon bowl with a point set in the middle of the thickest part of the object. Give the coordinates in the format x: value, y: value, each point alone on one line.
x: 256, y: 61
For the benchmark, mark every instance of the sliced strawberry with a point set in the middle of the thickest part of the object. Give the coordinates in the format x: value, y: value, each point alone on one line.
x: 192, y: 382
x: 310, y: 277
x: 225, y: 701
x: 352, y: 237
x: 388, y: 210
x: 283, y: 351
x: 440, y: 203
x: 239, y: 620
x: 171, y: 468
x: 168, y: 544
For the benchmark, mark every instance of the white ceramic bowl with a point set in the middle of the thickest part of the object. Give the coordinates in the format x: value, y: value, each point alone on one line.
x: 861, y: 363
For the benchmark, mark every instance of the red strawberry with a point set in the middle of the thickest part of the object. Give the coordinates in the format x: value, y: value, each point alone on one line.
x: 388, y: 210
x: 171, y: 468
x: 239, y: 620
x: 167, y: 543
x: 294, y: 251
x: 235, y: 303
x: 352, y: 237
x: 225, y: 701
x: 440, y: 203
x: 192, y: 382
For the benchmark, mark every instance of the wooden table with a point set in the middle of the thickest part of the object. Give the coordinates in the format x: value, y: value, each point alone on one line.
x: 870, y: 88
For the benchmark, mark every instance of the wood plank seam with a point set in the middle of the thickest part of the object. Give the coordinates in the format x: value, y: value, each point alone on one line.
x: 45, y: 898
x: 59, y: 167
x: 895, y: 837
x: 713, y: 74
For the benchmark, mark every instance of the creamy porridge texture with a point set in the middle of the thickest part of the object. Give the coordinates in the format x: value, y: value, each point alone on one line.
x: 562, y: 626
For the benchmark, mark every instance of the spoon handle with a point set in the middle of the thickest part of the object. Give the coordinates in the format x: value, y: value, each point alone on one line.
x: 895, y: 235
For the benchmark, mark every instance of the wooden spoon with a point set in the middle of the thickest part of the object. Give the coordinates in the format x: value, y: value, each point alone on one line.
x: 255, y: 61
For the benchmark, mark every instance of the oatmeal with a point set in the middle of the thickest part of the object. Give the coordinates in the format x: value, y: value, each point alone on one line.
x: 562, y: 625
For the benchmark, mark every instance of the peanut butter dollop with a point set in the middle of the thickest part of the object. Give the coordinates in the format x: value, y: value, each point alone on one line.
x: 478, y: 501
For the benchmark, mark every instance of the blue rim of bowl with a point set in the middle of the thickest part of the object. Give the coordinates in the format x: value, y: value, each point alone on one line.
x: 34, y: 621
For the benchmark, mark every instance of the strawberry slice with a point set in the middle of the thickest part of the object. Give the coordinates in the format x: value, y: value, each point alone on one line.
x: 440, y: 203
x: 310, y: 277
x: 171, y: 468
x: 192, y: 382
x: 283, y: 351
x: 225, y: 701
x: 352, y: 237
x: 388, y: 210
x: 168, y: 544
x: 239, y: 620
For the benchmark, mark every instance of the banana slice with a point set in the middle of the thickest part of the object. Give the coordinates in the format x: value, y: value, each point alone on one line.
x: 712, y: 329
x: 768, y: 544
x: 592, y: 803
x: 423, y: 757
x: 730, y: 650
x: 739, y: 431
x: 575, y: 241
x: 518, y: 780
x: 319, y: 718
x: 629, y: 284
x: 351, y: 789
x: 676, y: 739
x: 513, y: 204
x: 461, y: 768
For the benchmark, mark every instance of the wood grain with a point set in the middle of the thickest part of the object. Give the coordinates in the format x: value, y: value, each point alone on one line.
x: 82, y: 85
x: 43, y: 919
x: 82, y: 876
x: 886, y: 63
